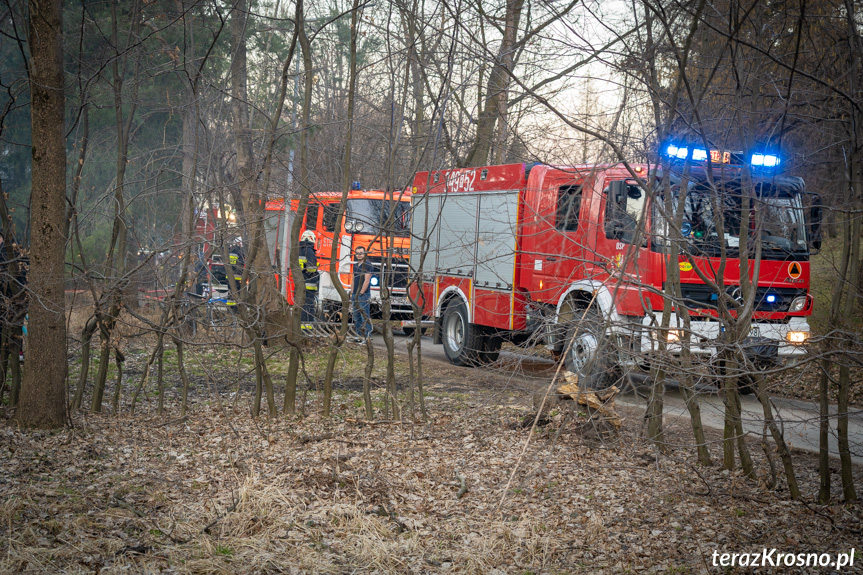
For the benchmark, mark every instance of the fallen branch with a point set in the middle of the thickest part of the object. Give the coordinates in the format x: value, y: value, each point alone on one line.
x: 327, y: 436
x: 463, y: 483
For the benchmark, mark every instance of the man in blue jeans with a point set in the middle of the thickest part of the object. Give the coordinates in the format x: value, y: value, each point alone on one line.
x: 360, y: 294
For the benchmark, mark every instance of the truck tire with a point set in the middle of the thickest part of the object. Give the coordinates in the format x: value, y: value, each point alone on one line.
x: 461, y: 340
x: 490, y: 351
x: 590, y: 354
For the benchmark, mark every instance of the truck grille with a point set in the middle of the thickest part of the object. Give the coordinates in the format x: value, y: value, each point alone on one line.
x: 700, y: 296
x: 397, y: 275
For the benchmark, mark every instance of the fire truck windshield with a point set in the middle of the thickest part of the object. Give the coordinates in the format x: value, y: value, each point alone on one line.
x: 775, y: 220
x: 371, y: 216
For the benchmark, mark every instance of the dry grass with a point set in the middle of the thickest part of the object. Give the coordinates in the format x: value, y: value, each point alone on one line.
x: 144, y: 494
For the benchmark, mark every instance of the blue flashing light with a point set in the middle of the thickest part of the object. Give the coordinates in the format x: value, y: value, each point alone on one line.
x: 671, y: 150
x: 375, y: 281
x: 771, y: 298
x: 764, y: 160
x: 355, y: 185
x: 699, y: 155
x: 682, y: 153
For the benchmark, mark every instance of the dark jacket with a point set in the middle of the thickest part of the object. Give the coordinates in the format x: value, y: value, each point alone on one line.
x: 309, y: 264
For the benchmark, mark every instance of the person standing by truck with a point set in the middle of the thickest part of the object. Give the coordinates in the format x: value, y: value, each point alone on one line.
x: 361, y: 296
x: 309, y: 265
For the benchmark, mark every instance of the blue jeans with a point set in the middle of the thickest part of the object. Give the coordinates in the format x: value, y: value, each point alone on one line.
x: 363, y: 314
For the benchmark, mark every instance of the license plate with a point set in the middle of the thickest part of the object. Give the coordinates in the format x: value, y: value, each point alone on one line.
x: 754, y: 330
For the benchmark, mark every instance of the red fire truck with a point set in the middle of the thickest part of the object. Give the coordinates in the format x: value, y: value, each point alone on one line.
x: 520, y: 252
x: 363, y: 224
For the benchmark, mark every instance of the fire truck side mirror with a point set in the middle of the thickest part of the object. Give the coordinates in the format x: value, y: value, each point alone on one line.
x: 617, y: 194
x: 816, y: 213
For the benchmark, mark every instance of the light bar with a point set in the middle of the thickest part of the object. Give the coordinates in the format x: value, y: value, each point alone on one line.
x: 765, y: 160
x: 698, y: 154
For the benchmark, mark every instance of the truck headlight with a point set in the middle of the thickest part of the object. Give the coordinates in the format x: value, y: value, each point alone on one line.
x: 672, y: 335
x: 797, y: 337
x: 797, y: 304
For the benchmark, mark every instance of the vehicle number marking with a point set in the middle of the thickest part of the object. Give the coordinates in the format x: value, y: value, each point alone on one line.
x: 461, y: 180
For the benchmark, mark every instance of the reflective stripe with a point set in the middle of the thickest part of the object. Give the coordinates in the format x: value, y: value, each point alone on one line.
x: 311, y: 286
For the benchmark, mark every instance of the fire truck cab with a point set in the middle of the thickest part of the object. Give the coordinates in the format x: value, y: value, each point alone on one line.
x: 521, y: 252
x: 364, y: 224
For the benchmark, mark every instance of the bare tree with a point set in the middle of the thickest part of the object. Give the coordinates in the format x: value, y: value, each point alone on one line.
x: 43, y: 392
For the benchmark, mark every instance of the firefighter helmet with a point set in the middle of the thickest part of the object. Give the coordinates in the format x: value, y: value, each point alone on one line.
x: 308, y: 236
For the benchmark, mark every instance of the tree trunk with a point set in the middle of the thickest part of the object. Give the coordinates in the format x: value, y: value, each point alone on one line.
x: 119, y: 359
x: 733, y: 434
x: 846, y: 469
x: 43, y: 394
x: 824, y: 434
x: 160, y: 373
x: 181, y: 366
x: 334, y: 251
x: 294, y: 333
x: 15, y: 369
x: 4, y: 363
x: 102, y: 374
x: 495, y: 106
x: 784, y: 453
x: 367, y: 381
x: 119, y: 233
x: 86, y: 344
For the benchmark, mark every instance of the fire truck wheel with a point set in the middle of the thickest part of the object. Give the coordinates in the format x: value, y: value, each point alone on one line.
x: 491, y: 345
x: 590, y: 353
x: 461, y: 340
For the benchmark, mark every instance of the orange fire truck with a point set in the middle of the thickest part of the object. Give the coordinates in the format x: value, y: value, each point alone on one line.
x: 519, y: 252
x: 364, y: 224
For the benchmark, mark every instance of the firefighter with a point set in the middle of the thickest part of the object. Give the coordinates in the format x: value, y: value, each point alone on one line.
x: 237, y: 259
x: 309, y: 265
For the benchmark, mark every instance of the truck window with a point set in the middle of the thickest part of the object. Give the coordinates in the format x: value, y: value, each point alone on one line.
x: 568, y: 208
x: 312, y: 216
x: 331, y: 211
x: 622, y: 213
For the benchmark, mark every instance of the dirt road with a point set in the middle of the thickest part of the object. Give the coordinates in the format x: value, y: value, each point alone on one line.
x: 799, y: 419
